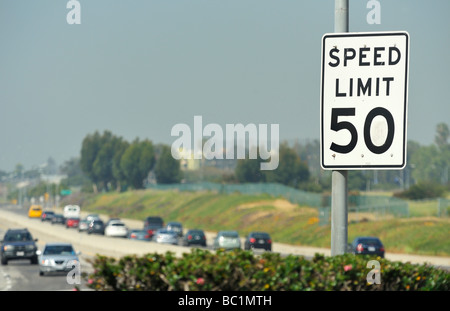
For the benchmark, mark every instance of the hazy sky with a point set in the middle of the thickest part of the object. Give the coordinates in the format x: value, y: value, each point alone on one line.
x: 139, y: 67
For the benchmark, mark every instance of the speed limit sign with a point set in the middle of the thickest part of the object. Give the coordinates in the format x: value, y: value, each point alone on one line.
x: 364, y: 99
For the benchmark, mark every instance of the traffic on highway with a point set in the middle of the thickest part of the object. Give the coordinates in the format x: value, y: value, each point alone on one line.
x: 38, y: 253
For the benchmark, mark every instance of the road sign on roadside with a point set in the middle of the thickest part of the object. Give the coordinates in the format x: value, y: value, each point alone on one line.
x: 66, y: 192
x: 364, y: 99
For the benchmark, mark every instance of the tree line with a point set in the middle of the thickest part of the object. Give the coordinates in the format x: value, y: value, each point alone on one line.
x: 110, y: 162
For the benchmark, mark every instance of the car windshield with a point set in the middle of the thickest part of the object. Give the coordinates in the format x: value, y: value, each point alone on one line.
x: 196, y: 232
x: 260, y: 236
x: 59, y: 250
x: 369, y: 241
x: 165, y: 232
x: 230, y: 235
x: 18, y: 237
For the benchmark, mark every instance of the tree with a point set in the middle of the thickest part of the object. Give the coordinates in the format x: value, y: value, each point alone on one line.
x: 118, y: 173
x: 137, y: 161
x: 75, y: 176
x: 89, y: 149
x: 442, y: 135
x: 291, y: 171
x: 249, y: 170
x: 167, y: 169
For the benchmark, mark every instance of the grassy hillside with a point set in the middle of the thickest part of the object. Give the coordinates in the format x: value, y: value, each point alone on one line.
x: 286, y: 222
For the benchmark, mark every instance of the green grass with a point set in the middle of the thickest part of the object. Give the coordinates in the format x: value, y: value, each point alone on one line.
x: 210, y: 211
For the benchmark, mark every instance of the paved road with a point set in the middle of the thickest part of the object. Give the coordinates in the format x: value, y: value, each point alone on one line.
x: 23, y: 276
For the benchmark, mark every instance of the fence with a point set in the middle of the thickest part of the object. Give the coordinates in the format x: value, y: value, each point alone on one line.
x: 443, y: 207
x: 378, y: 205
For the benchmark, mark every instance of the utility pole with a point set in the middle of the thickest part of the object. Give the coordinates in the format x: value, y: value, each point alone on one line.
x: 339, y: 179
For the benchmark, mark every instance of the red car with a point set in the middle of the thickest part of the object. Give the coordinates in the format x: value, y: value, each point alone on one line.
x: 72, y: 222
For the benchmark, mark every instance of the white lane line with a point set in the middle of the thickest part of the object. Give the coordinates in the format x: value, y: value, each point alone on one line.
x: 8, y: 282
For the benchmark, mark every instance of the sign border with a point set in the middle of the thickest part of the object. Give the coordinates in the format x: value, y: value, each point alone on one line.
x: 405, y: 104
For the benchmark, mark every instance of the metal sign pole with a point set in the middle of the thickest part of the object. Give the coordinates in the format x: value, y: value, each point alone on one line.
x: 339, y: 212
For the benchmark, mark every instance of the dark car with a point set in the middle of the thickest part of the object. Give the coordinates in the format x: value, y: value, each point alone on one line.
x: 258, y: 240
x: 176, y: 227
x: 367, y: 246
x: 153, y: 224
x: 47, y: 215
x: 58, y: 219
x: 139, y: 234
x: 194, y: 237
x: 72, y: 222
x: 18, y: 244
x: 96, y: 226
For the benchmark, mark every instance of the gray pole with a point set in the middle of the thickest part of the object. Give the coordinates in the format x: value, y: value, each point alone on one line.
x: 339, y: 212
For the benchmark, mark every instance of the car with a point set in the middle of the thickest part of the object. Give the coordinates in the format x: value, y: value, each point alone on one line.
x: 227, y: 240
x: 84, y: 225
x: 194, y: 237
x: 57, y: 257
x: 96, y: 226
x: 58, y: 219
x: 72, y: 222
x: 139, y: 234
x: 165, y: 236
x: 35, y: 211
x: 91, y: 217
x: 176, y: 227
x: 258, y: 240
x: 152, y: 224
x: 18, y: 244
x: 47, y: 215
x: 116, y: 228
x: 367, y: 245
x: 111, y: 220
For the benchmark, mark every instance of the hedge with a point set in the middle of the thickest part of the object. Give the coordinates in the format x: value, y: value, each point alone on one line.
x: 239, y: 270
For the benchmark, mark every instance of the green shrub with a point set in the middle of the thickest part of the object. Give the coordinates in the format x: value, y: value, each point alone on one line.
x: 239, y: 270
x: 423, y: 190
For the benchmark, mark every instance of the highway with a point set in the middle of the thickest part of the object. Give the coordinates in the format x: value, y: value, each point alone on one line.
x: 22, y: 276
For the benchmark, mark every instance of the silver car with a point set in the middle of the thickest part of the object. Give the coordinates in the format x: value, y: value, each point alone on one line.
x: 166, y: 237
x: 227, y: 240
x: 58, y: 257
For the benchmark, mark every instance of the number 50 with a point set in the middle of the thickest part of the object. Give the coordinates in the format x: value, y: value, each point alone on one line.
x: 345, y: 125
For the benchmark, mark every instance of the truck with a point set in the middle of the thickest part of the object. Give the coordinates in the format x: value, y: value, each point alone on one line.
x: 71, y: 211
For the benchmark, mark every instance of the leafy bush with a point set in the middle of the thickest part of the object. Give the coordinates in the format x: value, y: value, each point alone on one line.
x: 423, y: 190
x: 239, y: 270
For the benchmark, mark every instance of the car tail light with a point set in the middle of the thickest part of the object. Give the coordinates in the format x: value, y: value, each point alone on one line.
x: 150, y: 231
x: 189, y: 237
x: 252, y: 240
x: 204, y: 237
x: 133, y: 235
x: 381, y: 249
x: 147, y: 236
x: 269, y: 241
x: 360, y: 247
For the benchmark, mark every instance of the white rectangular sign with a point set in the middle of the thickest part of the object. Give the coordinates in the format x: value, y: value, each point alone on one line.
x: 364, y: 99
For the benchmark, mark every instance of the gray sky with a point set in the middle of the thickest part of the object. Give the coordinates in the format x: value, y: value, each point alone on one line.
x: 139, y: 67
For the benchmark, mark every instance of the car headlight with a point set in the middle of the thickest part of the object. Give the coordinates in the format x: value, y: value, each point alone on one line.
x: 8, y: 248
x: 29, y: 247
x: 45, y: 262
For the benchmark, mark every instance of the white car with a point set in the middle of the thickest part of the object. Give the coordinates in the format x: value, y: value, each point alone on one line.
x: 116, y: 228
x: 165, y: 236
